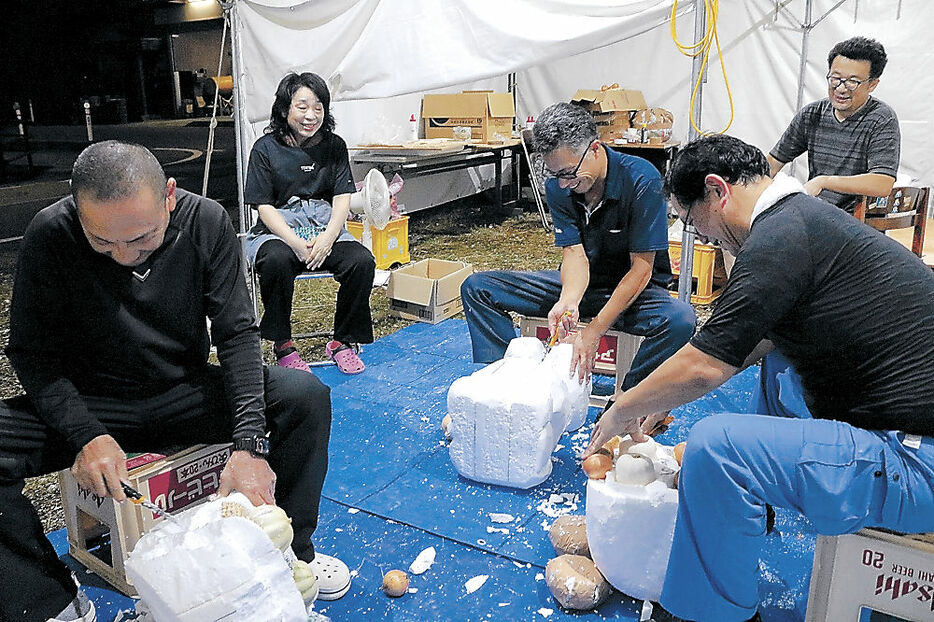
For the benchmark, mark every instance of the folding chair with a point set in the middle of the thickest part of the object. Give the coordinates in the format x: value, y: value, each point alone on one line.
x: 904, y: 208
x: 536, y: 177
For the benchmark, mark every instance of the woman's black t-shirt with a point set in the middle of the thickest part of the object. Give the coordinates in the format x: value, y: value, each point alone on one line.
x: 278, y: 172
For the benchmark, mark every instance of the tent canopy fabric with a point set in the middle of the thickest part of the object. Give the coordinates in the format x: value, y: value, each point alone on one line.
x: 367, y: 49
x: 380, y: 56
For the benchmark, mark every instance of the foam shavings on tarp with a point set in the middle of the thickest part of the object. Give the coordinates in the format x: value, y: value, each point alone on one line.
x: 429, y: 484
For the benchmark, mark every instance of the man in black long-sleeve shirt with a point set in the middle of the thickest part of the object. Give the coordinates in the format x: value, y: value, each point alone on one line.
x: 109, y: 340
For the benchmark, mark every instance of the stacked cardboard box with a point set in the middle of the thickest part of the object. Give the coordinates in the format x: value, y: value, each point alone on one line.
x: 622, y: 115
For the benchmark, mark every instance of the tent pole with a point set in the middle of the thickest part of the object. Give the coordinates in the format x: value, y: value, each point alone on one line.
x: 685, y: 282
x: 217, y: 92
x: 511, y: 88
x: 803, y: 65
x: 237, y: 108
x: 239, y: 122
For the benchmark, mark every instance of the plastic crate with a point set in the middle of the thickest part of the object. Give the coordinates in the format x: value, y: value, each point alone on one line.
x: 872, y: 576
x: 390, y: 245
x: 708, y: 271
x: 101, y: 533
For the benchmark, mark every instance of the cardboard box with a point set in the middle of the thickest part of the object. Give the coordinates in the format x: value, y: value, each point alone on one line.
x: 872, y: 576
x: 615, y: 351
x: 101, y: 533
x: 486, y: 114
x: 390, y: 245
x: 609, y: 99
x: 428, y: 290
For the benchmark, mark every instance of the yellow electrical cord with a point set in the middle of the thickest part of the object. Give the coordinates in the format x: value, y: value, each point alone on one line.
x: 711, y: 11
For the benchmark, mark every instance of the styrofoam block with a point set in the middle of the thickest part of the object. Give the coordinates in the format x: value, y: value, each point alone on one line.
x: 506, y: 418
x: 630, y: 527
x: 525, y: 348
x: 205, y: 567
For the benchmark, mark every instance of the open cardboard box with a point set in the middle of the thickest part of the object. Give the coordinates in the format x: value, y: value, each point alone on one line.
x: 486, y: 113
x: 428, y: 290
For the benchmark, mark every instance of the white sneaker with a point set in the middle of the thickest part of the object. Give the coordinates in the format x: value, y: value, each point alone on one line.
x: 78, y: 610
x: 333, y: 576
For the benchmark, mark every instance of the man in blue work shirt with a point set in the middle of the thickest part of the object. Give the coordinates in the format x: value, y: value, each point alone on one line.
x: 611, y: 224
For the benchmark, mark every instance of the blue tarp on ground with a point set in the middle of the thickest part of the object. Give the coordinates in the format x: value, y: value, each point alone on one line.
x: 392, y: 491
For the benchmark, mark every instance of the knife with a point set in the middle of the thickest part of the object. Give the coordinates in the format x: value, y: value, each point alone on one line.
x: 135, y: 496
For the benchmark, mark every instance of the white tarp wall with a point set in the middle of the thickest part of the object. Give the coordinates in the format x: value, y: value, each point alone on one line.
x: 373, y: 52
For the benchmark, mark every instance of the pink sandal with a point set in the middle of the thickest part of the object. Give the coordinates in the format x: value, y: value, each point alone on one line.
x: 345, y: 357
x: 293, y: 360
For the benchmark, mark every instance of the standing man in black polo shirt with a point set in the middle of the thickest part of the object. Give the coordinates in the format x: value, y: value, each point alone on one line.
x: 853, y: 310
x: 611, y: 225
x: 852, y: 139
x: 109, y: 340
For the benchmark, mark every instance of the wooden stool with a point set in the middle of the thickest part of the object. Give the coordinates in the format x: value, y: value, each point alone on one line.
x: 101, y: 533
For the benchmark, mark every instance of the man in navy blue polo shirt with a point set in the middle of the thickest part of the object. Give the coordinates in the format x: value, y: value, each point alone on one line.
x: 611, y: 224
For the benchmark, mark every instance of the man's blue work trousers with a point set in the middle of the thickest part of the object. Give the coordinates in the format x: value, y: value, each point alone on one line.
x: 664, y: 321
x: 840, y: 477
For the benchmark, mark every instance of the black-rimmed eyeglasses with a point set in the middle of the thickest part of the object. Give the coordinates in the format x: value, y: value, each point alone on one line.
x: 850, y: 84
x: 562, y: 175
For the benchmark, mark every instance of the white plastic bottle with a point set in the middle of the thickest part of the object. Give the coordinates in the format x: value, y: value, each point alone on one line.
x: 413, y: 127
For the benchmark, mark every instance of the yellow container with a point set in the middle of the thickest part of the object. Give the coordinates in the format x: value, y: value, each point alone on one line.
x: 708, y: 271
x: 391, y: 245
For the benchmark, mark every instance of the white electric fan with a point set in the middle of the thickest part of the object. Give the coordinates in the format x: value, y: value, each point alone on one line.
x: 371, y: 202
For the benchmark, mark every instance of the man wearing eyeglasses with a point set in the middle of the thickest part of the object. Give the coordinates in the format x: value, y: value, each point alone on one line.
x: 611, y: 224
x: 852, y: 139
x: 822, y: 288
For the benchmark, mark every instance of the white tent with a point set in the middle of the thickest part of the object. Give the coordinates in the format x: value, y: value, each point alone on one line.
x: 380, y: 56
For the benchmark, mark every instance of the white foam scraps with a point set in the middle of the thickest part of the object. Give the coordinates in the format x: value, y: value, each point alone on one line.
x: 539, y: 576
x: 474, y: 584
x: 413, y: 590
x: 423, y: 561
x: 545, y: 612
x: 425, y: 419
x: 503, y: 604
x: 497, y: 517
x: 338, y: 529
x: 518, y: 564
x: 354, y: 572
x: 503, y: 530
x: 559, y: 447
x: 353, y: 510
x: 545, y: 525
x: 558, y: 504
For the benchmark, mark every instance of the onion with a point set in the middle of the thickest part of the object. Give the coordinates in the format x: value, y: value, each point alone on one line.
x: 678, y: 451
x: 395, y: 583
x: 597, y: 465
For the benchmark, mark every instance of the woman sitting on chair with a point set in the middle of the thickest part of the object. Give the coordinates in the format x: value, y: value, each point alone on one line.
x: 300, y: 183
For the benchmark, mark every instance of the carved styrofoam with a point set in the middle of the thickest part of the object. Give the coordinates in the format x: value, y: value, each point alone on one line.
x: 630, y: 527
x: 203, y: 566
x: 506, y: 418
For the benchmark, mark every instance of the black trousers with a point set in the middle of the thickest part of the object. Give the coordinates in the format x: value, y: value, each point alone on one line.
x: 353, y: 267
x: 36, y: 585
